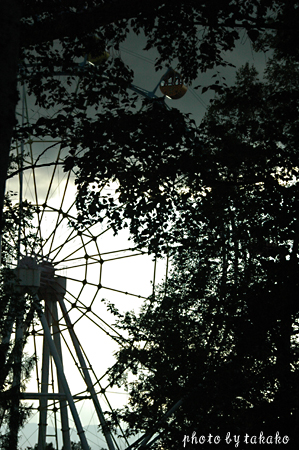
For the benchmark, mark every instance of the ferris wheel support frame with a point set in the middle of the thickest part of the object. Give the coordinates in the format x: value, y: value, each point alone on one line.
x: 61, y: 374
x: 53, y: 292
x: 28, y: 279
x: 52, y: 320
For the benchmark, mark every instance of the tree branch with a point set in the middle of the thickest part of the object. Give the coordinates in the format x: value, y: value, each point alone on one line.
x: 10, y: 12
x: 34, y: 166
x: 72, y: 25
x: 77, y: 24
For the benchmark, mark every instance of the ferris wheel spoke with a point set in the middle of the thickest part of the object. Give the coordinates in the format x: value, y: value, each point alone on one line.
x: 83, y: 282
x: 34, y: 163
x: 58, y: 220
x: 74, y: 263
x: 96, y: 321
x: 52, y: 178
x: 60, y: 214
x: 140, y: 252
x: 121, y: 257
x: 97, y: 324
x: 38, y: 215
x: 33, y: 173
x: 54, y: 252
x: 71, y: 237
x: 86, y: 310
x: 124, y: 292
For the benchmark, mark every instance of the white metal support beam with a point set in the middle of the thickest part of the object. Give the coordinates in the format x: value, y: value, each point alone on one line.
x: 61, y: 375
x: 87, y: 377
x: 43, y: 401
x: 63, y: 404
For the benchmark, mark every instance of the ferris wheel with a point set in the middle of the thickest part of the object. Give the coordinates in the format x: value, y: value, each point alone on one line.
x: 71, y: 276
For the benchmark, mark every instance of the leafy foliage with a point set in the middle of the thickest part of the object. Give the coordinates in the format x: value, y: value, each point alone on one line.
x: 193, y: 33
x: 245, y: 150
x: 95, y: 115
x: 15, y: 312
x: 149, y: 174
x: 223, y: 333
x: 222, y: 193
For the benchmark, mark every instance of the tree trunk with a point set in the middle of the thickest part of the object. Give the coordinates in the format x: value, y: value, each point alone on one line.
x: 10, y: 14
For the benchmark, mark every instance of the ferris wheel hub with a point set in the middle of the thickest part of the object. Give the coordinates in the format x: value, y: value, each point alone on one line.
x: 52, y: 288
x: 27, y: 275
x: 40, y: 279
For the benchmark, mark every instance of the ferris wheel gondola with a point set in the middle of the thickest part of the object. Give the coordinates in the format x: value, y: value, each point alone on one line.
x: 172, y: 85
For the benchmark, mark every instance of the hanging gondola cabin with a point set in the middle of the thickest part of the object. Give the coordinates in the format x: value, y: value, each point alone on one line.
x: 172, y: 85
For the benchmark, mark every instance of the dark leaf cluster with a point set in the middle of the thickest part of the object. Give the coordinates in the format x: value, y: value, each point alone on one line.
x: 222, y: 333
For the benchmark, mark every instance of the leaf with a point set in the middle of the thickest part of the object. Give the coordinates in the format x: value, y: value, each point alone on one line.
x: 69, y: 163
x: 253, y: 34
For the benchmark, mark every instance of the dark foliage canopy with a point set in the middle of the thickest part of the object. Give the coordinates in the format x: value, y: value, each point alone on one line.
x: 47, y: 38
x: 15, y: 310
x: 221, y: 196
x: 223, y: 332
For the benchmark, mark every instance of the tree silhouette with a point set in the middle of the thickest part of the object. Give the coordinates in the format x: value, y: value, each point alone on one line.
x: 15, y: 308
x: 223, y: 333
x: 228, y: 190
